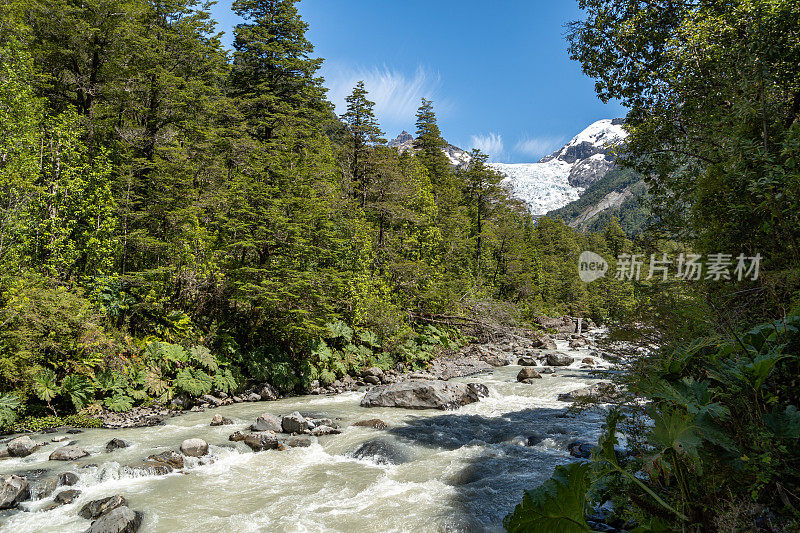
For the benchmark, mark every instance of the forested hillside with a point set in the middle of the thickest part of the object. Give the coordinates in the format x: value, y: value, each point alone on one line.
x: 177, y: 218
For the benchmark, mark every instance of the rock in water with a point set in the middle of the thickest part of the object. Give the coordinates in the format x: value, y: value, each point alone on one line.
x: 67, y: 478
x: 97, y: 508
x: 13, y: 489
x: 237, y: 436
x: 526, y: 361
x: 68, y: 453
x: 267, y: 422
x: 194, y: 447
x: 119, y: 520
x: 320, y: 431
x: 115, y: 444
x: 374, y: 423
x: 219, y: 420
x: 602, y: 392
x: 559, y: 359
x: 21, y: 446
x: 168, y: 461
x: 434, y: 394
x: 295, y: 423
x: 263, y: 440
x: 381, y: 451
x: 67, y: 496
x: 528, y: 373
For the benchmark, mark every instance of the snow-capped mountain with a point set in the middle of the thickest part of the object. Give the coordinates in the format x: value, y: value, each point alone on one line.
x: 561, y: 177
x: 456, y: 156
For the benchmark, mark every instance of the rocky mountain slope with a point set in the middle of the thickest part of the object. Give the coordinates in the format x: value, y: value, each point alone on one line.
x: 457, y: 156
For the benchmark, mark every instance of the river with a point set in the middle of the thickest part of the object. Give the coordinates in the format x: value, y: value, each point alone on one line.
x: 457, y: 470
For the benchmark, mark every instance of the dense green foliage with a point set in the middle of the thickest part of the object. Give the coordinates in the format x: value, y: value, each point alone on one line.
x: 178, y: 219
x: 710, y: 415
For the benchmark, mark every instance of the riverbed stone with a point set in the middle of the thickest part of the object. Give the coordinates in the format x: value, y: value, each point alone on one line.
x: 320, y: 431
x: 67, y: 496
x: 170, y: 459
x: 268, y: 393
x: 295, y: 423
x: 13, y: 489
x: 21, y: 446
x: 97, y: 508
x: 219, y: 420
x: 526, y: 360
x: 527, y: 373
x: 119, y: 520
x: 194, y: 447
x: 374, y: 423
x: 558, y: 359
x: 545, y: 370
x: 68, y: 453
x: 381, y: 451
x: 115, y: 444
x: 262, y: 440
x: 298, y: 442
x: 267, y: 422
x: 433, y: 394
x: 237, y: 436
x: 601, y: 392
x: 581, y: 450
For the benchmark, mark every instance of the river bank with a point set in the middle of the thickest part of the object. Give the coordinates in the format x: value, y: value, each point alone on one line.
x: 427, y: 470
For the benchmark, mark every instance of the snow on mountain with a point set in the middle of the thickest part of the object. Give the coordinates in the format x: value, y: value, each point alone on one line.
x: 561, y: 177
x: 455, y: 155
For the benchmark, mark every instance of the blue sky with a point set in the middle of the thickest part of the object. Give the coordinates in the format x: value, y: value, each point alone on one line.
x: 498, y: 72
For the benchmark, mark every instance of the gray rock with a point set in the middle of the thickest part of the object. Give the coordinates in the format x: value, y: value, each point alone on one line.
x: 253, y: 397
x: 68, y: 453
x: 267, y: 422
x: 372, y: 380
x: 601, y: 392
x: 169, y: 459
x: 13, y: 489
x: 268, y: 393
x: 373, y: 423
x: 211, y: 400
x: 526, y: 361
x: 119, y: 520
x: 21, y: 446
x: 546, y: 370
x: 381, y: 451
x: 262, y: 440
x: 67, y: 478
x: 495, y: 360
x: 320, y: 431
x: 528, y: 373
x: 581, y: 450
x: 295, y: 423
x: 219, y: 420
x: 324, y: 422
x: 97, y: 508
x: 66, y: 496
x: 237, y: 436
x: 46, y: 487
x: 298, y: 442
x: 434, y: 394
x: 60, y: 438
x: 580, y: 342
x: 115, y: 444
x: 558, y: 359
x: 194, y: 447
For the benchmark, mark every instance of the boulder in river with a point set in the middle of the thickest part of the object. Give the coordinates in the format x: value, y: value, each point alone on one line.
x: 262, y: 440
x: 545, y: 342
x: 168, y: 461
x: 267, y: 422
x: 13, y: 489
x: 115, y: 444
x: 320, y: 431
x: 526, y: 360
x: 66, y: 496
x: 433, y: 394
x: 373, y: 423
x: 219, y: 420
x: 545, y: 370
x: 268, y: 393
x: 97, y: 508
x: 119, y: 520
x: 581, y: 450
x: 21, y: 446
x: 298, y: 442
x: 381, y: 451
x: 236, y: 436
x: 68, y: 453
x: 295, y: 423
x: 194, y: 447
x: 527, y: 373
x: 601, y: 392
x: 558, y: 359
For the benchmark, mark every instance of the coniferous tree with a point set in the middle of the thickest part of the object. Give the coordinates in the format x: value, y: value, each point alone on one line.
x: 482, y: 194
x: 364, y: 134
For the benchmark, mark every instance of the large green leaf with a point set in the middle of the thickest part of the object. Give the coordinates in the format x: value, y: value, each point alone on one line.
x: 204, y: 357
x: 339, y: 329
x: 155, y: 382
x: 194, y: 381
x: 224, y: 381
x: 44, y: 384
x: 119, y: 402
x: 784, y: 425
x: 79, y: 389
x: 557, y: 505
x: 9, y: 403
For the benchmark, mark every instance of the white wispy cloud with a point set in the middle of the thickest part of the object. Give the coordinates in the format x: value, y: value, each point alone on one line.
x: 538, y: 146
x: 490, y: 144
x: 396, y: 94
